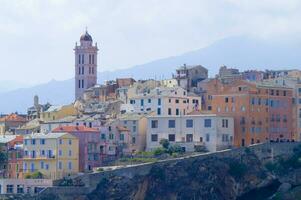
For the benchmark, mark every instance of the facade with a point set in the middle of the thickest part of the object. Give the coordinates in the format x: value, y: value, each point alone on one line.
x: 23, y: 186
x: 32, y: 126
x: 85, y: 65
x: 55, y: 155
x: 136, y: 125
x: 58, y: 112
x: 11, y: 148
x: 163, y: 101
x: 261, y: 112
x: 189, y: 76
x: 10, y: 123
x: 211, y: 131
x: 89, y: 145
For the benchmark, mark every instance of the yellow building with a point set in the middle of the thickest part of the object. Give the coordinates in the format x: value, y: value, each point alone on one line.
x: 55, y: 155
x: 58, y: 112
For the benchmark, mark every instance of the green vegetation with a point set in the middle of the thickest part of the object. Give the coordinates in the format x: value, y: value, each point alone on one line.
x: 35, y: 175
x: 3, y: 157
x: 165, y: 143
x: 237, y: 169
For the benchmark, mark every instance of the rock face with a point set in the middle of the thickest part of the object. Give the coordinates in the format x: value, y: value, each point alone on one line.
x: 210, y: 178
x: 237, y: 174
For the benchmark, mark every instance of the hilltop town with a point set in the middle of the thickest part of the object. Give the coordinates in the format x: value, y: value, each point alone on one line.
x: 127, y: 121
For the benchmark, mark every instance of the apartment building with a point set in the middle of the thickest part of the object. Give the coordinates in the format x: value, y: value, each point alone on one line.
x: 11, y: 148
x: 89, y: 145
x: 11, y: 122
x: 211, y: 131
x: 163, y: 101
x: 261, y: 112
x: 55, y: 155
x: 58, y: 112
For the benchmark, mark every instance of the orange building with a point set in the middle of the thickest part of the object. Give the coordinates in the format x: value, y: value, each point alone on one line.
x: 11, y: 122
x: 261, y: 112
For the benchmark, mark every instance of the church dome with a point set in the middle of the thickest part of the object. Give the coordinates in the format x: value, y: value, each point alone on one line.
x: 86, y: 37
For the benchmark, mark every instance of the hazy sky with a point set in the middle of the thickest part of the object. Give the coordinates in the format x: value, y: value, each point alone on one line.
x: 37, y: 37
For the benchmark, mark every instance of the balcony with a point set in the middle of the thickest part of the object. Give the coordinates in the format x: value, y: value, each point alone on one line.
x: 38, y: 157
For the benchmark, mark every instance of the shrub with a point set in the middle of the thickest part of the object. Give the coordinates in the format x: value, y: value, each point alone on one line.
x: 159, y: 151
x: 35, y: 175
x: 175, y: 149
x: 164, y: 143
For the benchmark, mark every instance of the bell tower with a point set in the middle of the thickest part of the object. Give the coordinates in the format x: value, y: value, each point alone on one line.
x: 85, y: 64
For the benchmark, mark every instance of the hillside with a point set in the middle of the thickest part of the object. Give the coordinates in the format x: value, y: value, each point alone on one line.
x: 241, y: 52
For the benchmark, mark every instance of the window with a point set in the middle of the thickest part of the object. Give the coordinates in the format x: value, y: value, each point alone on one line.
x: 83, y: 70
x: 243, y: 108
x: 207, y: 123
x: 134, y: 129
x: 159, y: 102
x: 111, y: 136
x: 60, y: 165
x: 83, y: 59
x: 69, y: 141
x: 20, y: 189
x: 33, y: 141
x: 149, y: 100
x: 42, y: 141
x: 79, y: 59
x: 172, y: 137
x: 154, y: 123
x: 25, y: 141
x: 177, y: 100
x: 154, y: 137
x: 189, y: 138
x: 60, y: 152
x: 60, y: 141
x: 177, y: 111
x: 171, y: 123
x: 189, y: 123
x: 207, y: 137
x: 122, y: 137
x: 225, y: 123
x: 169, y: 100
x: 226, y: 99
x: 33, y: 154
x: 133, y: 140
x: 169, y: 111
x: 103, y: 136
x: 42, y: 164
x: 9, y: 188
x: 142, y: 102
x: 158, y: 111
x: 70, y: 153
x: 83, y: 84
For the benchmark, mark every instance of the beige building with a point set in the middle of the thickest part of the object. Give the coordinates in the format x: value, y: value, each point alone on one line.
x: 55, y: 155
x: 211, y: 131
x: 58, y: 112
x: 163, y: 101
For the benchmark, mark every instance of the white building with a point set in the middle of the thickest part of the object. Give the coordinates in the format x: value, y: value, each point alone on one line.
x: 23, y: 186
x: 212, y: 131
x: 163, y: 101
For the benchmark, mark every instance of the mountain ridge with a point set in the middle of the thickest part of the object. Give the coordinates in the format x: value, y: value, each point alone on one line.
x: 240, y: 52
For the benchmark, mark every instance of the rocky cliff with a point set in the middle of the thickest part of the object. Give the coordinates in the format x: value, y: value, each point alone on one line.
x: 258, y: 172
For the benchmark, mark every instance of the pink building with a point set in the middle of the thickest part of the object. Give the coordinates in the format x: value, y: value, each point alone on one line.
x: 90, y: 145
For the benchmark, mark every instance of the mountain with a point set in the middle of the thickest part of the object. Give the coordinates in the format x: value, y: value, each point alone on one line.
x: 241, y: 52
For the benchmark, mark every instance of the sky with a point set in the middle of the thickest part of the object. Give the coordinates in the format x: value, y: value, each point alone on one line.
x: 37, y: 37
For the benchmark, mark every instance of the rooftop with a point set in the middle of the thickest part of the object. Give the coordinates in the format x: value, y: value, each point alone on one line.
x: 13, y: 117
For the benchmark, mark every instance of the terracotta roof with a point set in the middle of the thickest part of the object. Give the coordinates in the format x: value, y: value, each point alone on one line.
x: 70, y: 129
x: 13, y: 117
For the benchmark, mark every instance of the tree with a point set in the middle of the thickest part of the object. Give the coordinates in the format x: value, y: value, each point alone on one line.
x: 164, y: 143
x: 3, y: 157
